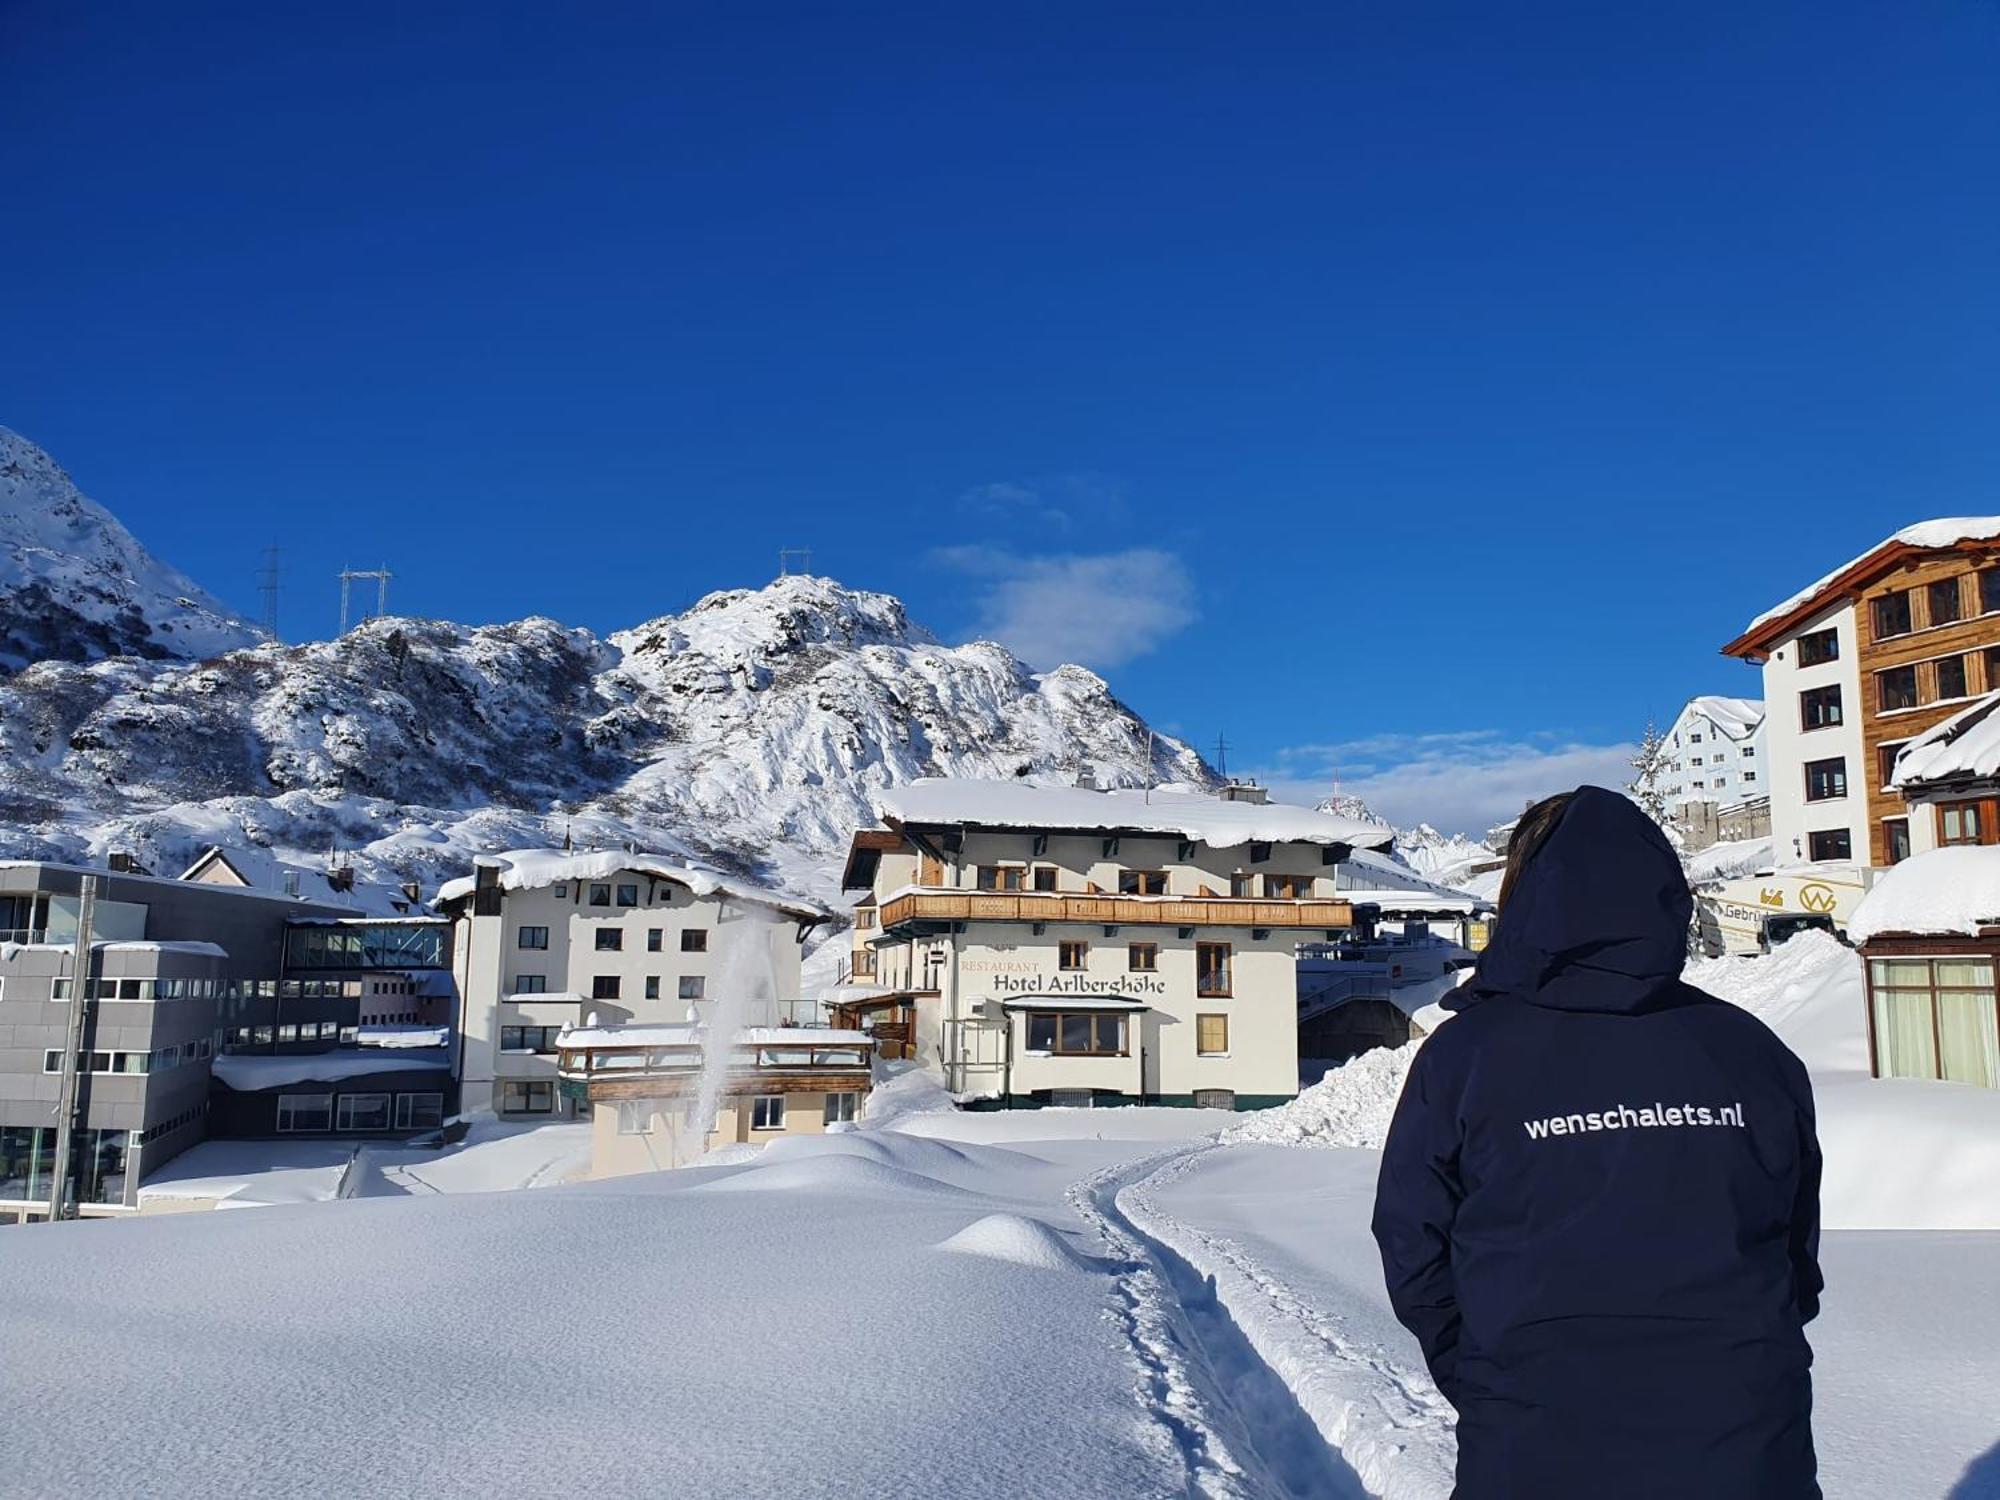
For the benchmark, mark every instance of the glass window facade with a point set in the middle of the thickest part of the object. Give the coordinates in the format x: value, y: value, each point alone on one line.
x: 367, y: 945
x: 27, y: 1156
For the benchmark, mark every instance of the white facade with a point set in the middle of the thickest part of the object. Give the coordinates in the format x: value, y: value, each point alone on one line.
x: 1716, y: 752
x: 1058, y: 965
x: 579, y: 938
x: 1791, y: 744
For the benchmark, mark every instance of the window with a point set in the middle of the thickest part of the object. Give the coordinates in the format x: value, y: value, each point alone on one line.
x: 610, y: 940
x: 1830, y: 843
x: 531, y: 984
x: 1943, y: 598
x: 1045, y: 877
x: 604, y: 987
x: 864, y: 963
x: 562, y: 892
x: 1215, y: 1098
x: 1087, y: 1035
x: 1288, y: 887
x: 654, y: 938
x: 1240, y: 886
x: 532, y: 937
x: 1885, y: 760
x: 841, y: 1108
x: 1694, y: 739
x: 1818, y: 647
x: 1694, y: 760
x: 694, y: 940
x: 693, y: 987
x: 1895, y: 840
x: 1959, y: 823
x: 1142, y: 958
x: 362, y: 1112
x: 1211, y: 1036
x: 1989, y: 591
x: 419, y: 1111
x: 1896, y: 688
x: 1935, y: 1018
x: 628, y: 895
x: 1002, y: 877
x: 600, y: 895
x: 304, y: 1112
x: 1819, y: 708
x: 529, y: 1038
x: 523, y: 1097
x: 288, y: 1033
x: 1891, y: 613
x: 1071, y: 955
x: 652, y: 986
x: 767, y: 1112
x: 635, y: 1117
x: 1826, y: 779
x: 1211, y: 968
x: 1951, y: 677
x: 1142, y: 882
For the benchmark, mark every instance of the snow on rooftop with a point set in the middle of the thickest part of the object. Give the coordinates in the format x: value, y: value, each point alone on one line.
x: 1954, y: 891
x: 402, y: 1036
x: 532, y: 869
x: 264, y: 872
x: 1965, y: 745
x: 1736, y: 717
x: 1945, y: 532
x: 1187, y: 812
x: 246, y: 1071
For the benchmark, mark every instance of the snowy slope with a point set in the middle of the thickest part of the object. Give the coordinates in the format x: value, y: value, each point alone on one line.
x: 754, y: 730
x: 75, y: 585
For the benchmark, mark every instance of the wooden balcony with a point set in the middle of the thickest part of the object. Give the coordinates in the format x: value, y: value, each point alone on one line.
x: 918, y: 911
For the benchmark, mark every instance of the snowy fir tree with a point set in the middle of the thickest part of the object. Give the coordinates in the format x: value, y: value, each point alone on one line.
x: 1647, y: 787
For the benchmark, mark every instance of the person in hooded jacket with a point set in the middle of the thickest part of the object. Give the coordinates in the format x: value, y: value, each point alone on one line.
x: 1598, y: 1209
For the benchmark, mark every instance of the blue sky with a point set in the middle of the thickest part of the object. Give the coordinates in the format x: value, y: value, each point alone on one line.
x: 1418, y: 394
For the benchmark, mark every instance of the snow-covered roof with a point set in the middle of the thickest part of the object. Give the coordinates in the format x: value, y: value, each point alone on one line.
x: 642, y: 1034
x: 1071, y: 1002
x: 402, y: 1036
x: 261, y: 1071
x: 1965, y: 746
x: 190, y: 947
x: 1945, y: 532
x: 263, y: 871
x: 1738, y: 718
x: 532, y: 869
x: 1952, y: 891
x: 1186, y: 812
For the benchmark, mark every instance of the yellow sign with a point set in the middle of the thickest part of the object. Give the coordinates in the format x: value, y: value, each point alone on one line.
x: 1817, y: 898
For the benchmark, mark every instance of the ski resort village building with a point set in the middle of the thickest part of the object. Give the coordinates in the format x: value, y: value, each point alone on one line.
x: 1714, y: 786
x: 546, y: 939
x: 1035, y: 945
x: 651, y: 1088
x: 1929, y: 934
x: 204, y: 1006
x: 1860, y: 664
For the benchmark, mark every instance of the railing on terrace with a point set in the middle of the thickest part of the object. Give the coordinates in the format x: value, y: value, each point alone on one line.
x: 1158, y: 911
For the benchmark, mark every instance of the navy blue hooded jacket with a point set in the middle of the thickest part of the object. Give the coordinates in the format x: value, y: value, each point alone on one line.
x: 1599, y: 1202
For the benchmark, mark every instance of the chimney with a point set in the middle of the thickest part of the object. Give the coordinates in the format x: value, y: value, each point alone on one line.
x: 122, y: 863
x: 413, y: 893
x: 1244, y: 791
x: 1086, y: 779
x: 341, y: 879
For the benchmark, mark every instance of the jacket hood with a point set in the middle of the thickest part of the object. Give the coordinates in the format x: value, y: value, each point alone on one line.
x: 1599, y: 919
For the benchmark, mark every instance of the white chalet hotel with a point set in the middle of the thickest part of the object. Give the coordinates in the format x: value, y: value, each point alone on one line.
x: 1065, y: 945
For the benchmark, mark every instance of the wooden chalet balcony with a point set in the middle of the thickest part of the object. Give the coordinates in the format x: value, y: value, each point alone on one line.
x: 915, y: 910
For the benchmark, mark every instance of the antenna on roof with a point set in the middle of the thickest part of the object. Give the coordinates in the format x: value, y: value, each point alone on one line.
x: 267, y: 585
x: 567, y: 845
x: 788, y: 555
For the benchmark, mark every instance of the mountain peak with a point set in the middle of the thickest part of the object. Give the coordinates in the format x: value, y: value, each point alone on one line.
x: 75, y: 585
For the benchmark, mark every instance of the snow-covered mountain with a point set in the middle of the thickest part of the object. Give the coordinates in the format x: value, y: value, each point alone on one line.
x: 75, y: 585
x: 752, y: 730
x: 1445, y: 860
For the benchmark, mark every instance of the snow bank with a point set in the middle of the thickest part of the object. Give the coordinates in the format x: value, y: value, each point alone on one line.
x: 1351, y: 1106
x: 1021, y: 1241
x: 1808, y: 990
x: 1197, y: 815
x: 1955, y: 890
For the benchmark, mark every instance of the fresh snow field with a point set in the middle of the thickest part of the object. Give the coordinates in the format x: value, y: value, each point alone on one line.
x: 1063, y: 1303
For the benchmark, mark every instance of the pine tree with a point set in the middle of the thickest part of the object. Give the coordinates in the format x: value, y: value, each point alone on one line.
x: 1647, y: 788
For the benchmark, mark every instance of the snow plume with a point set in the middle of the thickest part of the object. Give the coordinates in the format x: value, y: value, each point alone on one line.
x: 746, y: 994
x: 1101, y: 609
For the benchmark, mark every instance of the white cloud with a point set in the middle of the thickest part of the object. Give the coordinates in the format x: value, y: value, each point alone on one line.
x: 1050, y: 502
x: 1099, y: 610
x: 1461, y: 782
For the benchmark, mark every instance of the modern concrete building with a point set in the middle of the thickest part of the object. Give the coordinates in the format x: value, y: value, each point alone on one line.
x: 1056, y: 945
x: 1859, y: 664
x: 546, y: 939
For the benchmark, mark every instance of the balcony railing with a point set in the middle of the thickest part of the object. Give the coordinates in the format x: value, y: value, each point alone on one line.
x: 918, y: 907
